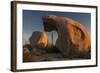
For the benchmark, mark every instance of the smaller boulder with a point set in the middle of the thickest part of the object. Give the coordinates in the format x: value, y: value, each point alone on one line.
x: 38, y: 39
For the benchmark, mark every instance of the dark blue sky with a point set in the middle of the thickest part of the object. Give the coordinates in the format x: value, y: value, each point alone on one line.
x: 32, y: 20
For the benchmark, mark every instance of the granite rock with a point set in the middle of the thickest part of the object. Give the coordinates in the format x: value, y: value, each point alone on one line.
x: 73, y: 37
x: 38, y: 39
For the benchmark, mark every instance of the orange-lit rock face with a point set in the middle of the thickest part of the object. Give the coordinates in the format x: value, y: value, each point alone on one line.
x: 73, y: 38
x: 38, y: 39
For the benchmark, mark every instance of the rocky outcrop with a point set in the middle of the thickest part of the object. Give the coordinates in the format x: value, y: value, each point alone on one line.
x: 38, y: 39
x: 73, y: 38
x: 26, y: 55
x: 33, y: 56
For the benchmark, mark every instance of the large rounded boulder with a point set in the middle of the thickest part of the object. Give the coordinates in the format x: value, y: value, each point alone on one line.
x: 73, y: 37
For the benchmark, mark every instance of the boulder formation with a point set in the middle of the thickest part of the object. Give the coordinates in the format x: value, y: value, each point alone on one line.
x: 38, y: 39
x: 73, y: 38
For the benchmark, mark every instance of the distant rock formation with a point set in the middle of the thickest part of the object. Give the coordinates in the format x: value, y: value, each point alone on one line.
x: 28, y: 46
x: 25, y: 41
x: 38, y: 39
x: 73, y: 38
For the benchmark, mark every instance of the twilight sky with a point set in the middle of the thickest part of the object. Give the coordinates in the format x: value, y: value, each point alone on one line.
x: 32, y: 21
